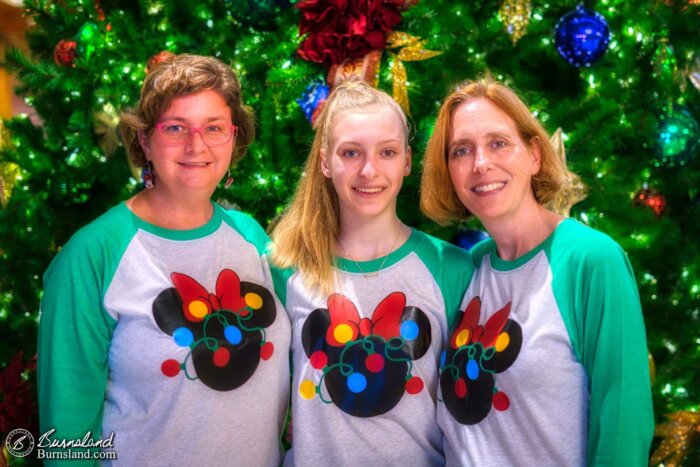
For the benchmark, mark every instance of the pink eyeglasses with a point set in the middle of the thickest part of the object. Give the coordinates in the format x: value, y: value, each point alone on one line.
x: 179, y: 134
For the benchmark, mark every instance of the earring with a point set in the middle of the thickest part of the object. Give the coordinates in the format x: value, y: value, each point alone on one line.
x: 147, y: 175
x: 229, y: 180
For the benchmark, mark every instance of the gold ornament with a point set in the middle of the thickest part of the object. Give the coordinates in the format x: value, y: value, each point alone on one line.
x: 9, y: 173
x: 4, y: 135
x: 572, y: 188
x: 515, y: 16
x: 652, y: 367
x: 106, y: 128
x: 411, y: 50
x: 679, y: 434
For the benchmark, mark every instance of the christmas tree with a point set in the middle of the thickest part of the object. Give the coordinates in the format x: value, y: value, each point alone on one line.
x: 621, y: 79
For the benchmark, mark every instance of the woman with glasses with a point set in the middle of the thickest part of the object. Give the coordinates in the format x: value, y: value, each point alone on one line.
x: 161, y: 331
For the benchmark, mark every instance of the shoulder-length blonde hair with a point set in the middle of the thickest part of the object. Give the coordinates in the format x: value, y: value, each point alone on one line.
x: 304, y: 235
x: 182, y: 75
x: 438, y: 199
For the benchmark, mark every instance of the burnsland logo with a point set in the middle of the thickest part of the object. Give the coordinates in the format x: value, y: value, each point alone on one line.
x: 19, y: 442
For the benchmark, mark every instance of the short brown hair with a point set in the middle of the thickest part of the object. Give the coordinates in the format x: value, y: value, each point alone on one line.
x: 438, y: 199
x: 182, y: 75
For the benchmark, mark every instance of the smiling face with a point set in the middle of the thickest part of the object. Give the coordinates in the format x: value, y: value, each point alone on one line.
x: 194, y: 165
x: 491, y: 167
x: 366, y: 159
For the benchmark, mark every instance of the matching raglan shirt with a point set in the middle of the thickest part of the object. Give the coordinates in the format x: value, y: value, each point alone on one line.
x: 547, y: 362
x: 365, y: 357
x: 175, y: 341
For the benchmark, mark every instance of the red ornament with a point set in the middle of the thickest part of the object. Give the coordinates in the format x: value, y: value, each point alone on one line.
x: 342, y: 29
x: 501, y: 401
x: 170, y: 368
x: 221, y: 357
x: 64, y: 53
x: 318, y: 359
x: 160, y: 57
x: 99, y: 10
x: 266, y: 350
x: 374, y: 363
x: 653, y: 199
x: 414, y: 385
x: 460, y: 388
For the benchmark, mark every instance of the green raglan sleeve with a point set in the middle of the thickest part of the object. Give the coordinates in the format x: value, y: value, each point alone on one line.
x: 75, y: 332
x: 280, y: 276
x: 452, y: 268
x: 614, y: 353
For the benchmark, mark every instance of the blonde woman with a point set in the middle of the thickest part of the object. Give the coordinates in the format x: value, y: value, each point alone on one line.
x: 370, y: 299
x: 547, y: 363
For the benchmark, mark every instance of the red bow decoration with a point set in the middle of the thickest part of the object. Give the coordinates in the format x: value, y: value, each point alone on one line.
x: 486, y: 334
x: 385, y: 321
x: 341, y: 29
x: 194, y: 296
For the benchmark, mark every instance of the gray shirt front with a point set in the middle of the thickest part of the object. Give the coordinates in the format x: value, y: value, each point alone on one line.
x: 365, y: 358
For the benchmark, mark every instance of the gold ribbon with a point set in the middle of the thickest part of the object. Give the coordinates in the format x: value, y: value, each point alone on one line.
x: 411, y: 50
x: 573, y: 189
x: 106, y: 127
x: 679, y: 433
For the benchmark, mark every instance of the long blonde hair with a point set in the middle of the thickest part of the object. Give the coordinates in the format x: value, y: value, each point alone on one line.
x: 438, y: 199
x: 305, y: 234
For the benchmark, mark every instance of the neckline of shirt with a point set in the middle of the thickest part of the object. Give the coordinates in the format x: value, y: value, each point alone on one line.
x: 383, y: 262
x: 172, y: 234
x: 500, y: 264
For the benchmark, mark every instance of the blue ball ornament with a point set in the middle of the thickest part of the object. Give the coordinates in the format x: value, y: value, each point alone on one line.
x: 357, y: 382
x: 678, y: 137
x: 467, y: 238
x: 409, y: 330
x: 472, y: 370
x: 233, y: 334
x: 582, y: 36
x: 314, y: 94
x: 183, y: 337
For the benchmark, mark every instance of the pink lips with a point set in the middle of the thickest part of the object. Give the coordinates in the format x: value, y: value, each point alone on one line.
x: 194, y: 165
x: 368, y: 191
x: 488, y: 188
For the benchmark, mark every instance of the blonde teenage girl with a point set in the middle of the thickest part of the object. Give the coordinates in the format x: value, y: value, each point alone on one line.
x: 370, y: 298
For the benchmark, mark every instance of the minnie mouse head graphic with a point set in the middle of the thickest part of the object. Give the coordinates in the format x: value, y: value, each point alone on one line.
x: 474, y: 355
x: 366, y: 363
x: 225, y: 332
